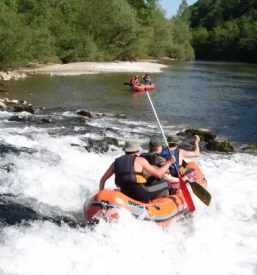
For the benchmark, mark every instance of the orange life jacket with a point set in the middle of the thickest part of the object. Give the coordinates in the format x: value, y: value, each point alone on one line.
x: 134, y: 81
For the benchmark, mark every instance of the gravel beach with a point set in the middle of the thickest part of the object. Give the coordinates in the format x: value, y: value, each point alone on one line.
x: 81, y: 68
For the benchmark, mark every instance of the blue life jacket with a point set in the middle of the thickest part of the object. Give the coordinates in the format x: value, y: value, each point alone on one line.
x: 165, y: 154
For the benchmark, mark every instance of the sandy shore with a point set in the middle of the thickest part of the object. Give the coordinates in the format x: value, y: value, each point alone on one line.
x: 81, y: 68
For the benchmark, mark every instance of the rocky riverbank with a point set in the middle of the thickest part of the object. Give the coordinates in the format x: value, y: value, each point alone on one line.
x: 16, y: 75
x: 25, y: 114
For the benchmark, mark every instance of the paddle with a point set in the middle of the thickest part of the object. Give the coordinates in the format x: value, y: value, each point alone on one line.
x: 200, y: 192
x: 183, y: 186
x: 126, y: 83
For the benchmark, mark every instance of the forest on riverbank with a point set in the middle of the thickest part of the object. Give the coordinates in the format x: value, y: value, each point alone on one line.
x: 43, y: 31
x: 64, y: 31
x: 224, y: 29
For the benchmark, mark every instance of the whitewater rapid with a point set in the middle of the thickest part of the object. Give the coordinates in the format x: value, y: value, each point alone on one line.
x: 54, y: 178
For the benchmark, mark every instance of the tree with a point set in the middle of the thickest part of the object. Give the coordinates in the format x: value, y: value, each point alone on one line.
x: 183, y: 11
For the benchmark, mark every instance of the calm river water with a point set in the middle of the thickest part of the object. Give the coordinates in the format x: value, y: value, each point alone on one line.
x: 218, y: 96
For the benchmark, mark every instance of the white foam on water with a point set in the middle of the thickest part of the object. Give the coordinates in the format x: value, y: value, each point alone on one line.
x: 58, y: 175
x: 221, y: 238
x: 69, y: 114
x: 5, y: 114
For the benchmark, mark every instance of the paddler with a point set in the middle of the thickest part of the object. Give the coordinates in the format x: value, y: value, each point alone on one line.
x: 147, y: 79
x: 128, y: 170
x: 154, y: 158
x: 180, y: 154
x: 134, y: 82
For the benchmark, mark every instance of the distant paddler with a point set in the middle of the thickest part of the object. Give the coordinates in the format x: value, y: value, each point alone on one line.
x: 147, y: 79
x: 134, y: 82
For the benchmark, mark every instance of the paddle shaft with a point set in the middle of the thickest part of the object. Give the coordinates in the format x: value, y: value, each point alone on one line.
x: 183, y: 187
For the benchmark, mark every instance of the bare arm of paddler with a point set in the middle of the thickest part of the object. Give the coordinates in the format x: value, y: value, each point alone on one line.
x: 142, y: 163
x: 190, y: 154
x: 106, y: 176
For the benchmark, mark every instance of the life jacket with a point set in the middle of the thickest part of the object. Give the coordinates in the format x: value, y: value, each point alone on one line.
x: 180, y: 168
x: 134, y: 81
x: 130, y: 182
x: 151, y: 158
x: 125, y: 173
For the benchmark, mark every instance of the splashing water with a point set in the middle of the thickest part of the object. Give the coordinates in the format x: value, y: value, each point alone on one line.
x: 56, y: 178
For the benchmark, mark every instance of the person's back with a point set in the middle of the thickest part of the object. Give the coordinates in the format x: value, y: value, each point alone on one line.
x: 128, y: 175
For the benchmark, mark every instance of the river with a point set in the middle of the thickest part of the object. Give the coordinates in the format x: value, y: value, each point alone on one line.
x: 46, y: 174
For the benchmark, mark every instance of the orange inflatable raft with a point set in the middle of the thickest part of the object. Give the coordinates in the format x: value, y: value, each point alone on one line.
x: 161, y: 211
x: 141, y: 87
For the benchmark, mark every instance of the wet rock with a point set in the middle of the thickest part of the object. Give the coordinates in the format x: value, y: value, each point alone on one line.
x: 121, y: 116
x: 247, y: 148
x: 5, y: 100
x: 11, y: 75
x: 84, y: 119
x: 97, y: 146
x: 111, y: 141
x: 47, y: 120
x: 19, y: 117
x: 101, y: 146
x: 205, y: 135
x: 74, y: 145
x: 220, y: 146
x: 112, y: 130
x: 13, y: 102
x: 105, y: 115
x: 9, y: 167
x: 7, y: 149
x: 1, y: 91
x: 86, y: 113
x: 3, y: 106
x: 16, y: 213
x: 28, y: 109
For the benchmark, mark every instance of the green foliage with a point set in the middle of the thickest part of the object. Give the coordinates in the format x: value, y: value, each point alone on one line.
x: 65, y: 31
x: 183, y: 11
x: 13, y: 37
x: 231, y: 29
x: 161, y: 36
x: 145, y: 10
x: 181, y: 36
